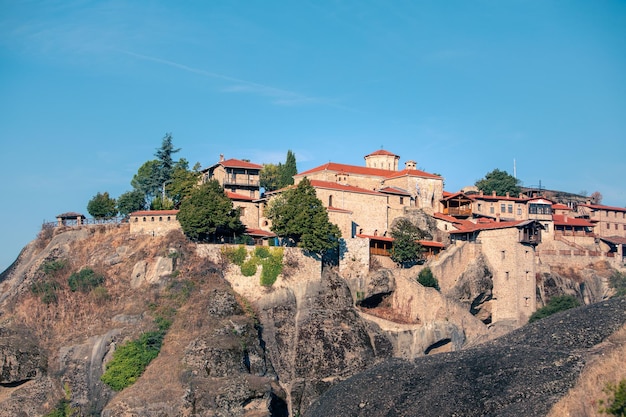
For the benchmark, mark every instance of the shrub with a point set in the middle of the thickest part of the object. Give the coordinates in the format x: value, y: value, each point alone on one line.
x: 53, y: 266
x: 556, y: 304
x: 85, y: 280
x: 272, y: 267
x: 131, y: 359
x: 427, y: 279
x: 617, y: 281
x: 261, y: 252
x: 235, y: 255
x: 248, y: 268
x: 46, y: 290
x: 101, y: 295
x: 616, y: 404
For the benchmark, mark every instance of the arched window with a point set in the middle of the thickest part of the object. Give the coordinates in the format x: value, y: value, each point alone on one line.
x: 160, y: 219
x: 144, y: 219
x: 330, y: 201
x: 152, y: 219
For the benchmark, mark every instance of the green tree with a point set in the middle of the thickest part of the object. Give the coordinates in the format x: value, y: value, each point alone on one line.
x: 274, y: 177
x: 164, y: 156
x: 183, y: 181
x: 427, y: 279
x: 406, y: 250
x: 556, y: 304
x: 207, y: 214
x: 500, y: 182
x: 101, y: 206
x: 147, y: 180
x: 270, y: 177
x: 288, y: 170
x: 301, y: 219
x: 131, y: 201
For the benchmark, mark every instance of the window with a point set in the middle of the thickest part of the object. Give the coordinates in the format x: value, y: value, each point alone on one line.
x: 519, y: 210
x: 510, y: 208
x: 168, y: 218
x: 502, y: 208
x: 625, y: 227
x: 330, y: 201
x: 401, y: 200
x: 160, y: 219
x: 242, y: 211
x: 608, y: 225
x: 480, y: 207
x: 615, y: 226
x: 152, y: 219
x: 144, y: 219
x: 136, y: 219
x: 491, y: 210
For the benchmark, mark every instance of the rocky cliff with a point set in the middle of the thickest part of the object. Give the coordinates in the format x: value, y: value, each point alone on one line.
x: 232, y: 347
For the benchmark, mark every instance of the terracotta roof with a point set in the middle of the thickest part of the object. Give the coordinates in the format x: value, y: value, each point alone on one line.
x: 450, y: 196
x: 411, y: 173
x: 342, y: 187
x: 561, y: 220
x: 237, y: 163
x: 154, y: 213
x: 367, y: 171
x: 446, y: 218
x: 559, y: 206
x: 234, y: 163
x: 339, y: 210
x: 474, y: 227
x: 429, y: 243
x: 235, y: 196
x: 347, y: 169
x: 259, y: 232
x: 394, y: 190
x: 600, y: 207
x: 382, y: 152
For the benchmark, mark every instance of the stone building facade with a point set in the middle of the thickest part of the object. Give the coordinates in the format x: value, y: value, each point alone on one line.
x: 153, y: 222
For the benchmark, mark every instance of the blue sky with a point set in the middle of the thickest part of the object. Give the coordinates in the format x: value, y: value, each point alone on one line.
x: 89, y: 88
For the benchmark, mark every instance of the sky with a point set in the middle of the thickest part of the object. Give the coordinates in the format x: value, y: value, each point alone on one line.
x: 88, y: 89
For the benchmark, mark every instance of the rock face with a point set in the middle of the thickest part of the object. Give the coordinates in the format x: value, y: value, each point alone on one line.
x: 474, y: 289
x: 521, y: 374
x: 315, y: 338
x: 22, y: 358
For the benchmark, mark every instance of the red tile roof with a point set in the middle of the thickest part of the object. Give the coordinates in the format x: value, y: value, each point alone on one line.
x: 382, y: 152
x: 412, y: 173
x: 559, y: 206
x: 474, y: 227
x: 339, y: 210
x: 342, y: 187
x: 428, y: 243
x: 561, y: 220
x: 235, y: 196
x: 367, y: 171
x: 154, y: 213
x: 601, y: 207
x: 259, y: 232
x: 394, y: 190
x: 237, y: 163
x: 490, y: 197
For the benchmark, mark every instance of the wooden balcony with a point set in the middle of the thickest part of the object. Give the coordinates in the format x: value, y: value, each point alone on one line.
x: 458, y: 211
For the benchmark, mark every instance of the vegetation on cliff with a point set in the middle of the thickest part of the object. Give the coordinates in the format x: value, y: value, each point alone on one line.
x: 300, y: 219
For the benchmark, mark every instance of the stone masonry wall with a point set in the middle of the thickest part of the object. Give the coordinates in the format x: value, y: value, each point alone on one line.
x: 154, y: 225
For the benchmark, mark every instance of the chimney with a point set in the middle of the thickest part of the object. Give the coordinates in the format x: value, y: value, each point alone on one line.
x: 221, y: 157
x: 497, y: 217
x: 410, y: 165
x: 507, y: 194
x: 482, y: 192
x: 493, y: 193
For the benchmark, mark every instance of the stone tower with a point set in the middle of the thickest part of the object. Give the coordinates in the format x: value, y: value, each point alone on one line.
x: 382, y: 159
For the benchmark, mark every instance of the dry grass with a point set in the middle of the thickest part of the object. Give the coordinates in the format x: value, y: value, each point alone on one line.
x: 606, y: 365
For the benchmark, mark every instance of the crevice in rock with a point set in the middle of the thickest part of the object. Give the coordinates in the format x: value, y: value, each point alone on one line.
x: 14, y: 384
x: 437, y: 346
x: 278, y: 406
x: 374, y: 300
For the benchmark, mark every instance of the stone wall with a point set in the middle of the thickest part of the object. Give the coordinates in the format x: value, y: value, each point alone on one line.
x: 452, y: 263
x: 154, y: 224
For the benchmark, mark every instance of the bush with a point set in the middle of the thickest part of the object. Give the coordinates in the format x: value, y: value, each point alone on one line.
x: 427, y: 279
x: 85, y: 280
x: 556, y: 304
x: 235, y: 255
x: 272, y: 267
x: 616, y: 404
x: 131, y: 359
x: 46, y: 290
x: 617, y: 281
x: 261, y: 252
x: 53, y: 266
x: 248, y: 268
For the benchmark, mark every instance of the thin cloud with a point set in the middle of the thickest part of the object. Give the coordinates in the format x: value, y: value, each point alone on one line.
x: 279, y: 96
